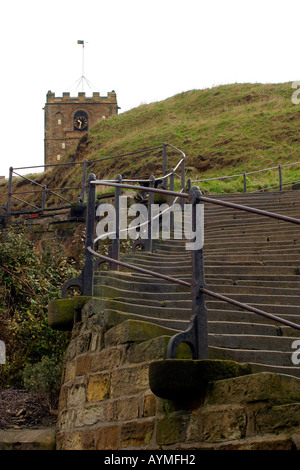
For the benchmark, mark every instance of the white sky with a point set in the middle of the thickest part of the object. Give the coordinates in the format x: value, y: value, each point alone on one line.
x: 144, y: 50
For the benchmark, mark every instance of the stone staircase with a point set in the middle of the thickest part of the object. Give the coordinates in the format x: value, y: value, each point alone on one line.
x: 249, y: 258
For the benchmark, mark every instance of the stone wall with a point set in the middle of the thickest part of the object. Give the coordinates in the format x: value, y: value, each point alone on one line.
x: 106, y: 401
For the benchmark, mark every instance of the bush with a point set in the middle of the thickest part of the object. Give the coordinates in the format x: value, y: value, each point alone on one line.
x: 29, y: 278
x: 44, y: 379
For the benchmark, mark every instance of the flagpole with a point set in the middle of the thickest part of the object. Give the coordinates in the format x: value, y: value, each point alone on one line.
x: 82, y: 65
x: 82, y: 76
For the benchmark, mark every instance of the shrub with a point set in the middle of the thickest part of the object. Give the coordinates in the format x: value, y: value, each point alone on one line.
x: 29, y: 278
x: 44, y: 379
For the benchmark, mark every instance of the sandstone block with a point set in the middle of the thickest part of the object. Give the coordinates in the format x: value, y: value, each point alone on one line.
x: 83, y: 364
x: 106, y: 359
x: 88, y: 440
x: 172, y: 429
x: 91, y: 415
x: 69, y: 373
x: 83, y: 343
x: 129, y: 381
x: 223, y: 422
x: 127, y: 408
x: 76, y: 394
x: 98, y: 387
x: 277, y: 419
x: 134, y: 331
x: 107, y: 438
x: 149, y: 405
x: 69, y: 441
x: 136, y: 434
x: 28, y: 439
x: 264, y: 386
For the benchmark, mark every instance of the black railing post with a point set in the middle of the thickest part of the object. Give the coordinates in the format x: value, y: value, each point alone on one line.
x: 9, y: 193
x: 44, y: 193
x: 188, y: 185
x: 280, y: 177
x: 148, y: 241
x: 83, y: 183
x: 245, y: 182
x: 172, y: 177
x: 196, y: 336
x: 198, y: 281
x: 88, y: 271
x: 182, y: 178
x: 115, y: 248
x: 165, y: 164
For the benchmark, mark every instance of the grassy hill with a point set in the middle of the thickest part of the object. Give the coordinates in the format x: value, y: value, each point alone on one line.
x: 224, y: 130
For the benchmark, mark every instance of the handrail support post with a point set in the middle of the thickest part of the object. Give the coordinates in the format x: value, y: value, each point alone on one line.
x: 115, y: 248
x: 182, y: 179
x: 148, y: 241
x: 245, y: 182
x: 44, y: 194
x: 9, y: 194
x: 83, y: 183
x: 280, y: 177
x: 88, y: 271
x: 172, y: 177
x: 165, y: 164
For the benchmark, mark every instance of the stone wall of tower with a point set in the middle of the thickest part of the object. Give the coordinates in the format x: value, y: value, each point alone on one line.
x: 60, y: 136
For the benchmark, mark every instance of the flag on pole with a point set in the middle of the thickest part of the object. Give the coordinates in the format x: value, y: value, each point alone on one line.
x: 80, y: 42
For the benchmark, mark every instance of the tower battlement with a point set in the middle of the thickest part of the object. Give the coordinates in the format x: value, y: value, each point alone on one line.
x: 95, y: 98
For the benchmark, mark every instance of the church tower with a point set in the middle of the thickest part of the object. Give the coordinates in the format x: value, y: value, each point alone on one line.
x: 68, y: 118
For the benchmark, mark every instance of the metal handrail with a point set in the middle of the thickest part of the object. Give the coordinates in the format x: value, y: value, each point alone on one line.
x: 106, y: 235
x: 246, y: 173
x: 140, y: 188
x: 204, y: 290
x: 41, y: 186
x: 250, y: 209
x: 196, y: 334
x: 85, y: 163
x: 204, y: 199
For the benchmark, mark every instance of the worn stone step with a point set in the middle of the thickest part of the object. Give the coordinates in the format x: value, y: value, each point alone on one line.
x: 252, y: 342
x: 176, y: 324
x: 224, y: 228
x: 280, y: 254
x: 257, y: 290
x: 258, y: 277
x: 275, y: 309
x: 238, y: 315
x: 220, y: 327
x: 241, y: 258
x: 224, y: 258
x: 278, y: 358
x: 149, y: 310
x: 264, y: 246
x: 218, y: 211
x: 185, y: 300
x: 28, y: 439
x: 108, y: 287
x: 142, y: 296
x: 239, y: 270
x: 184, y: 314
x: 283, y: 370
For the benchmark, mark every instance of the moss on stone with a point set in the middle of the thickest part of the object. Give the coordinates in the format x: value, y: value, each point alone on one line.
x: 135, y: 331
x: 63, y: 312
x: 264, y: 386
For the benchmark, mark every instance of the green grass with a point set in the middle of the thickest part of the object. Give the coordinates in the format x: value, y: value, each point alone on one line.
x: 225, y: 130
